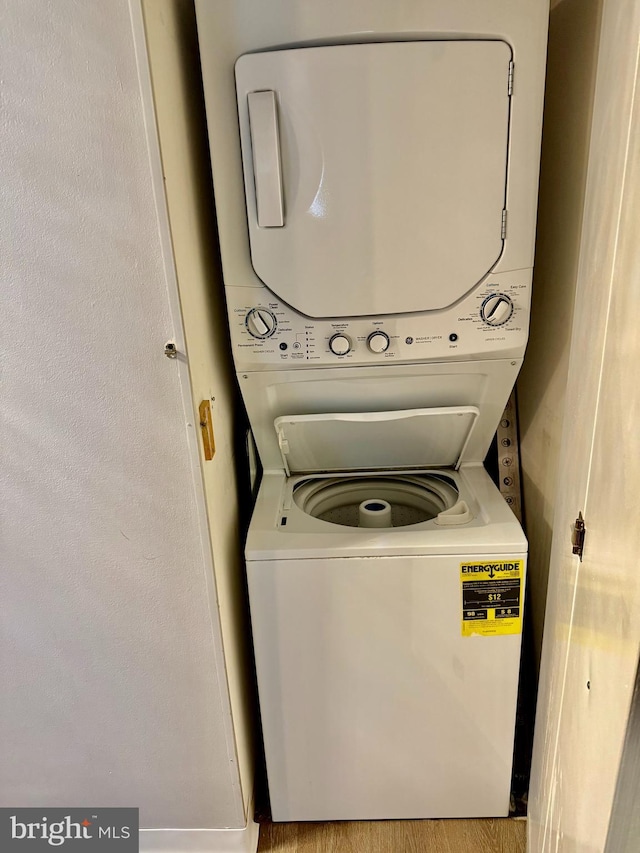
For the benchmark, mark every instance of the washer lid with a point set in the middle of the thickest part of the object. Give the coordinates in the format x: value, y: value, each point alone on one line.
x: 369, y: 441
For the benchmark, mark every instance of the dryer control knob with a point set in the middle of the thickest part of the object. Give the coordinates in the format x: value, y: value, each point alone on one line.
x: 340, y: 344
x: 496, y: 309
x: 378, y: 342
x: 260, y: 323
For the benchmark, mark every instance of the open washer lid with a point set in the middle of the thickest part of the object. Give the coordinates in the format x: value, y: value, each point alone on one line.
x: 372, y: 441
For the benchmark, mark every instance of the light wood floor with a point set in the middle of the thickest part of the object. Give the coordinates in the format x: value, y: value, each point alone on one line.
x: 402, y: 836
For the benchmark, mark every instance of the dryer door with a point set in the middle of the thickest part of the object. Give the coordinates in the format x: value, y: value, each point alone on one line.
x: 375, y: 174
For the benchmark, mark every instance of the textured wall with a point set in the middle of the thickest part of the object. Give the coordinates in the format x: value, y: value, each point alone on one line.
x: 574, y: 28
x: 591, y: 642
x: 110, y: 638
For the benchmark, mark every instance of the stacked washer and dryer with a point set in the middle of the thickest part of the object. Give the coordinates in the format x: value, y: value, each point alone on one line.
x: 375, y: 168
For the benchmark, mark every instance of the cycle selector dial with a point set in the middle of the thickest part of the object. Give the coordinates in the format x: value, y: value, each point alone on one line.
x: 260, y: 323
x: 340, y: 344
x: 378, y: 342
x: 496, y: 309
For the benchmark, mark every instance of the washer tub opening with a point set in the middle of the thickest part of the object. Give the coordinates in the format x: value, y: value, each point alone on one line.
x: 387, y: 501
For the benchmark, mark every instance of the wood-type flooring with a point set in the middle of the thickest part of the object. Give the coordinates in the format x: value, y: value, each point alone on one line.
x: 402, y: 836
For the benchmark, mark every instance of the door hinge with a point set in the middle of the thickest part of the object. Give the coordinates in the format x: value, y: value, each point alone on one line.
x: 577, y: 536
x: 503, y: 229
x: 510, y: 79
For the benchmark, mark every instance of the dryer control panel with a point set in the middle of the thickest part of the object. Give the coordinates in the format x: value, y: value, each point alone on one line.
x: 491, y: 321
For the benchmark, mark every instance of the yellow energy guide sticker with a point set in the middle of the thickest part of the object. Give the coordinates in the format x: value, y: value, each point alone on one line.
x: 492, y: 597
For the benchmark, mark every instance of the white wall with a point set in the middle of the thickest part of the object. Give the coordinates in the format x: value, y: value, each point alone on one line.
x: 592, y: 628
x: 113, y: 690
x: 572, y: 58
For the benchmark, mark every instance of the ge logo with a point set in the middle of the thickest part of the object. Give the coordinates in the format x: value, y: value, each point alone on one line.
x: 408, y: 340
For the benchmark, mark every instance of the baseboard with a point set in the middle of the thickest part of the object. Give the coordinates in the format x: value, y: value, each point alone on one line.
x: 200, y: 840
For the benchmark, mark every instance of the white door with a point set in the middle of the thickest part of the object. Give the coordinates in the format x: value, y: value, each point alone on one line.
x: 375, y: 174
x: 113, y: 672
x: 592, y: 628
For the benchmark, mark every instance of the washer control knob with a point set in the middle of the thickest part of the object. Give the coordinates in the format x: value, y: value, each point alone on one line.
x: 378, y: 342
x: 496, y: 309
x: 260, y: 323
x: 340, y: 344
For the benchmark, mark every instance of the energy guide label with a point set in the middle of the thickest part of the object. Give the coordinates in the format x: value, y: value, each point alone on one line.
x: 492, y: 597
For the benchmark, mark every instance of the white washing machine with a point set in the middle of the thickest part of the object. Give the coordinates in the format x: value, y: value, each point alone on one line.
x: 375, y: 168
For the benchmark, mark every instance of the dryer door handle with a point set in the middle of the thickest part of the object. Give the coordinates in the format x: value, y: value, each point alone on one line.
x: 267, y: 168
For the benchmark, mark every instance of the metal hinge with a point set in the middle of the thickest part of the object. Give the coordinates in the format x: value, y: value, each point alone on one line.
x: 577, y: 536
x: 510, y: 79
x: 503, y: 230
